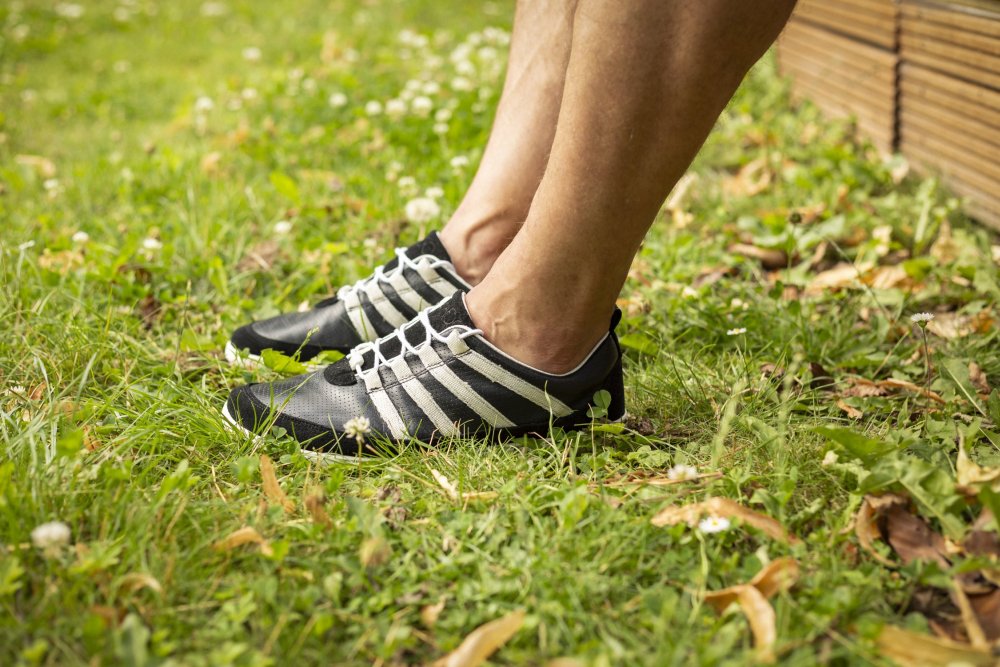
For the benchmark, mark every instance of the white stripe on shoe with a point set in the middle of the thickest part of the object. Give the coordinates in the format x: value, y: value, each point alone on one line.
x: 423, y: 399
x: 513, y: 383
x: 461, y: 389
x: 383, y: 404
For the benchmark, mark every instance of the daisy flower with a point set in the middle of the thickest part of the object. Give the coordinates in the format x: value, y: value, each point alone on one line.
x: 713, y: 524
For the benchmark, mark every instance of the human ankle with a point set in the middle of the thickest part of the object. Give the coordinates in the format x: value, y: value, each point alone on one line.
x: 475, y: 246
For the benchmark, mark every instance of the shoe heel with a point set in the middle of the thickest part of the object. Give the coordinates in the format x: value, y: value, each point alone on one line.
x: 615, y: 385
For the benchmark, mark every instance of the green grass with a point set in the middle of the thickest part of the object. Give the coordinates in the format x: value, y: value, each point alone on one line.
x: 114, y: 343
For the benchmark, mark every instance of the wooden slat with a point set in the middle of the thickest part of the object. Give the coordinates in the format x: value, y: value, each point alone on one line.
x: 957, y: 161
x: 877, y: 30
x: 832, y: 41
x: 878, y: 130
x: 847, y: 59
x: 986, y: 135
x: 987, y: 44
x: 982, y: 23
x: 981, y: 205
x: 964, y: 63
x: 964, y: 95
x: 880, y: 100
x: 980, y: 148
x: 886, y: 9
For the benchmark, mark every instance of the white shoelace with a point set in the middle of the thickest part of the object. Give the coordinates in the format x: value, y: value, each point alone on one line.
x: 356, y: 357
x: 381, y: 275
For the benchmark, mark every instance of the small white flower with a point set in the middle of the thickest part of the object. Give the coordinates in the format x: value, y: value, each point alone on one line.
x: 337, y: 100
x: 440, y: 128
x: 713, y: 524
x: 459, y: 162
x: 69, y: 10
x: 917, y: 318
x: 249, y: 94
x: 309, y: 85
x: 487, y: 53
x: 51, y: 535
x: 151, y: 243
x: 214, y: 9
x: 81, y: 237
x: 431, y: 88
x: 282, y: 227
x: 422, y: 106
x: 51, y: 184
x: 736, y: 332
x: 682, y: 471
x: 203, y: 104
x: 373, y: 108
x: 422, y: 209
x: 462, y: 84
x: 395, y: 108
x: 830, y: 458
x: 357, y: 428
x: 434, y: 192
x: 442, y: 115
x: 465, y: 68
x: 407, y: 186
x: 412, y: 85
x: 16, y: 390
x: 251, y: 54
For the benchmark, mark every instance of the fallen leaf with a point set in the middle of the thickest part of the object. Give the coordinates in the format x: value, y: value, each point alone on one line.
x: 851, y: 412
x: 906, y: 385
x: 480, y: 496
x: 149, y: 310
x: 866, y: 522
x: 912, y: 538
x: 978, y: 378
x: 842, y: 275
x: 778, y: 575
x: 42, y: 166
x: 987, y: 610
x: 911, y: 649
x: 753, y: 178
x: 271, y: 487
x: 863, y: 388
x: 374, y: 551
x: 973, y: 476
x: 449, y: 488
x: 483, y: 641
x: 760, y: 615
x: 430, y: 613
x: 957, y: 325
x: 722, y: 507
x: 260, y: 257
x: 135, y: 581
x: 769, y: 258
x: 970, y: 620
x: 888, y: 277
x: 241, y: 536
x: 944, y: 249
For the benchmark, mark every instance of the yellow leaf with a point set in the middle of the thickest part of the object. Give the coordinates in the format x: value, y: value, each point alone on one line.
x: 430, y: 613
x: 970, y: 474
x: 271, y: 487
x: 244, y: 535
x: 723, y: 507
x: 483, y: 641
x: 135, y: 581
x: 759, y: 613
x: 910, y: 649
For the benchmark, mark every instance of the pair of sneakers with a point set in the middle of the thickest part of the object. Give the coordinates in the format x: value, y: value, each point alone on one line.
x: 416, y: 368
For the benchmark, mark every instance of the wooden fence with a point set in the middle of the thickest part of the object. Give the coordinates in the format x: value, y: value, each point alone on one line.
x: 921, y: 77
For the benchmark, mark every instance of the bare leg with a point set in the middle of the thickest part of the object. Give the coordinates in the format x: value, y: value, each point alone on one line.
x: 514, y: 160
x: 645, y: 83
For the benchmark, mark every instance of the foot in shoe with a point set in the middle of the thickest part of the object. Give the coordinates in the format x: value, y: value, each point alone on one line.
x: 434, y: 377
x: 420, y: 276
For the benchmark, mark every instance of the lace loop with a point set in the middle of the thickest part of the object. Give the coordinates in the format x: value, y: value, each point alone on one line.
x: 381, y: 275
x: 356, y: 357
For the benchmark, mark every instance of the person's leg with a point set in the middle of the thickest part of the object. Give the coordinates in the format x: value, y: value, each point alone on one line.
x: 645, y: 83
x: 512, y: 165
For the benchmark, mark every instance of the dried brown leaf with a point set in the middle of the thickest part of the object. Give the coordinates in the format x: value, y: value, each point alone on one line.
x: 850, y: 411
x: 972, y: 475
x: 430, y: 613
x: 483, y: 641
x: 778, y: 575
x: 863, y: 388
x: 445, y: 483
x: 906, y: 385
x: 42, y: 166
x: 241, y: 536
x: 970, y: 620
x: 769, y: 258
x: 957, y: 325
x: 912, y: 538
x: 260, y: 257
x: 987, y: 610
x: 888, y: 277
x: 271, y: 487
x: 866, y: 522
x: 911, y: 649
x: 722, y: 507
x: 135, y: 581
x: 978, y: 378
x: 753, y: 178
x: 759, y: 613
x: 842, y: 275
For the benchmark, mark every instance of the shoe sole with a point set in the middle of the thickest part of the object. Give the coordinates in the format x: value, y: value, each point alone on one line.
x: 322, y: 458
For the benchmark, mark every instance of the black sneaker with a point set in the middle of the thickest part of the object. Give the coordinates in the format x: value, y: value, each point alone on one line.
x: 420, y: 276
x: 434, y: 377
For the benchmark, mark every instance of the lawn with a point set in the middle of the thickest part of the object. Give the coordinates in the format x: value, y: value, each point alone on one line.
x: 169, y: 171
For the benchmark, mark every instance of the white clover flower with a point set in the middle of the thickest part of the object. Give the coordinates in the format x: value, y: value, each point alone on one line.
x: 434, y: 192
x: 713, y: 524
x: 282, y: 227
x: 459, y: 162
x: 151, y: 243
x: 682, y: 471
x: 69, y: 10
x: 121, y: 14
x: 309, y: 85
x: 357, y: 428
x: 373, y: 108
x: 422, y: 106
x: 440, y: 128
x: 395, y: 108
x: 736, y: 332
x: 412, y: 85
x: 203, y: 104
x: 249, y: 94
x: 50, y: 184
x: 251, y: 54
x: 337, y: 100
x: 465, y: 68
x: 830, y: 458
x: 422, y: 209
x: 392, y: 171
x: 17, y: 390
x: 918, y: 318
x: 462, y: 84
x: 81, y: 237
x: 431, y: 88
x: 487, y: 53
x: 51, y: 535
x: 407, y: 186
x: 212, y: 9
x: 442, y: 115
